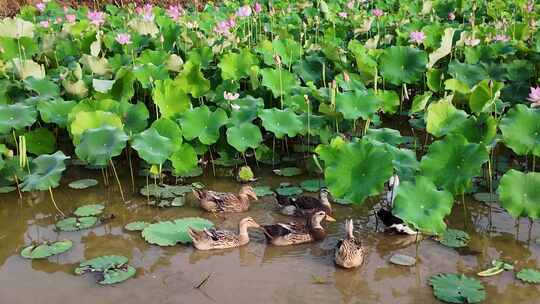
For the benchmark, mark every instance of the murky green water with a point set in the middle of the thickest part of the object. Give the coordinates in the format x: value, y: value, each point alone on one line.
x: 256, y: 273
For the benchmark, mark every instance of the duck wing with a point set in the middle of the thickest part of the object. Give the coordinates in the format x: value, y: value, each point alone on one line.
x: 221, y: 199
x: 282, y: 229
x: 307, y: 203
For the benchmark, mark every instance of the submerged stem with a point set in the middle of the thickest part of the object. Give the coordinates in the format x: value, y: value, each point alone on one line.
x: 54, y: 202
x: 118, y: 181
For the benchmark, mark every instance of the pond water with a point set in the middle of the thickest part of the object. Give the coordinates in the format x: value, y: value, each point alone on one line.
x: 256, y: 273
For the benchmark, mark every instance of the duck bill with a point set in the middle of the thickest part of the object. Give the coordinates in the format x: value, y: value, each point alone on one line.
x: 329, y: 218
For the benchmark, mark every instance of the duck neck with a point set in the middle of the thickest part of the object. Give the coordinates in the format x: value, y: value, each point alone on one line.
x: 243, y: 236
x: 244, y: 199
x: 315, y: 224
x: 325, y: 202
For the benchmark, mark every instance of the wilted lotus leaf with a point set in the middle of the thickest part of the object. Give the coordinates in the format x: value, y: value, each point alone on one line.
x: 152, y: 147
x: 91, y: 120
x: 521, y: 130
x: 89, y: 210
x: 281, y: 122
x: 46, y: 171
x: 280, y: 82
x: 520, y: 193
x: 455, y: 238
x: 192, y: 80
x: 444, y: 49
x: 46, y: 249
x: 16, y: 28
x: 76, y: 223
x: 289, y: 191
x: 111, y: 269
x: 16, y: 116
x: 184, y: 160
x: 170, y: 100
x: 55, y: 110
x: 26, y: 68
x: 40, y: 141
x: 529, y: 275
x: 203, y: 124
x: 136, y: 226
x: 288, y: 171
x: 98, y: 146
x: 402, y: 64
x: 443, y: 118
x: 454, y: 288
x: 263, y: 191
x: 357, y: 104
x: 170, y: 233
x: 313, y: 185
x: 244, y: 136
x: 83, y: 183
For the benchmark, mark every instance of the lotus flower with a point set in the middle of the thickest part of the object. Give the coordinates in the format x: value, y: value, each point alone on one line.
x: 230, y: 96
x: 97, y: 18
x: 417, y: 37
x: 350, y: 4
x: 502, y: 38
x: 123, y: 38
x: 44, y: 23
x: 257, y: 8
x: 244, y: 11
x: 530, y: 6
x: 58, y: 20
x: 222, y: 28
x: 377, y: 12
x: 174, y: 12
x: 534, y: 97
x: 342, y: 14
x: 41, y: 6
x: 451, y: 16
x: 71, y: 18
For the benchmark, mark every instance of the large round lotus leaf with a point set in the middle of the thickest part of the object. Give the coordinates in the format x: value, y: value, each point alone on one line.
x: 169, y: 129
x: 46, y: 249
x: 91, y: 120
x: 192, y: 80
x: 244, y: 136
x: 170, y: 100
x: 389, y: 100
x: 455, y: 238
x: 114, y: 276
x: 263, y: 191
x: 471, y: 74
x: 40, y: 141
x: 313, y: 185
x: 98, y: 146
x: 289, y: 191
x: 136, y: 226
x: 236, y: 66
x: 245, y: 110
x: 16, y: 116
x: 184, y: 160
x: 75, y: 224
x: 83, y: 183
x: 281, y: 122
x: 529, y: 275
x: 101, y: 264
x: 91, y: 105
x: 386, y: 135
x: 280, y: 82
x: 170, y: 233
x: 152, y: 147
x: 402, y: 64
x: 452, y: 162
x: 354, y: 171
x: 288, y: 171
x: 46, y: 171
x: 481, y: 129
x: 134, y: 116
x: 44, y: 87
x: 455, y: 288
x: 520, y: 193
x: 89, y: 210
x: 443, y: 118
x: 423, y: 195
x: 521, y: 130
x: 357, y: 104
x: 203, y: 124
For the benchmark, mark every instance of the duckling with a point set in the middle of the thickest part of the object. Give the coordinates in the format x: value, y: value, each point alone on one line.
x: 224, y: 201
x: 209, y: 239
x: 392, y: 222
x: 349, y: 253
x: 304, y: 205
x: 281, y: 234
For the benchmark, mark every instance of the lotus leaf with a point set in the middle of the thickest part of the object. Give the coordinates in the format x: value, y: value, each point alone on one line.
x: 16, y: 116
x: 402, y: 260
x: 134, y: 116
x: 244, y: 136
x: 192, y: 80
x: 76, y: 223
x: 312, y: 185
x: 385, y: 135
x: 529, y: 275
x: 44, y: 87
x: 157, y: 191
x: 152, y: 147
x: 46, y: 249
x: 55, y: 110
x: 288, y: 171
x: 281, y: 122
x: 444, y: 49
x: 91, y: 120
x: 245, y: 110
x: 520, y: 193
x: 136, y: 226
x: 389, y: 101
x: 184, y: 160
x: 102, y: 86
x: 443, y: 118
x: 112, y: 269
x: 114, y: 276
x: 420, y: 101
x: 236, y: 66
x: 7, y: 189
x: 203, y: 124
x: 484, y: 94
x: 98, y: 146
x: 280, y: 82
x: 27, y: 68
x: 470, y: 74
x: 357, y: 104
x: 16, y: 28
x: 40, y: 141
x: 401, y: 64
x: 89, y: 210
x: 454, y: 238
x: 481, y: 129
x: 455, y: 288
x: 169, y: 233
x: 46, y: 172
x: 170, y: 100
x: 289, y: 191
x: 83, y: 183
x: 263, y: 191
x: 521, y: 130
x: 96, y: 65
x: 169, y: 129
x: 288, y: 50
x: 245, y: 174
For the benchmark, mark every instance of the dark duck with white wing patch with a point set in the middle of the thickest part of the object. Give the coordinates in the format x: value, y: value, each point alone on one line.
x: 305, y: 206
x: 392, y: 222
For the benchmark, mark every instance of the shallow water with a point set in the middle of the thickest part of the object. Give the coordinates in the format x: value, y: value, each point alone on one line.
x: 254, y: 273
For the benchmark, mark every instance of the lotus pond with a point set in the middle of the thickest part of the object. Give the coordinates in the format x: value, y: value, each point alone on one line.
x: 110, y: 117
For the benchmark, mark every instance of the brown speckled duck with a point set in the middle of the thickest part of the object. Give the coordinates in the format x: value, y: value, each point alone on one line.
x: 281, y: 234
x: 224, y: 201
x: 349, y: 252
x: 304, y: 205
x: 209, y: 239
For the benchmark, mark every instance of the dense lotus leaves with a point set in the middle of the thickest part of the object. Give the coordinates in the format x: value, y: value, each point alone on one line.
x: 147, y: 73
x: 385, y: 135
x: 184, y: 160
x: 16, y: 116
x: 354, y: 171
x: 456, y: 288
x: 244, y: 136
x: 152, y: 147
x: 484, y: 94
x: 46, y: 171
x: 529, y: 275
x: 192, y: 80
x: 279, y: 81
x: 313, y: 185
x: 443, y: 118
x: 289, y: 191
x: 288, y: 50
x: 521, y: 130
x: 471, y: 74
x: 245, y: 110
x: 76, y: 223
x: 423, y: 195
x: 481, y: 129
x: 40, y: 141
x: 46, y: 249
x: 134, y: 116
x: 170, y: 233
x: 203, y: 124
x: 136, y: 226
x: 357, y: 104
x: 98, y: 146
x: 389, y: 101
x: 311, y: 68
x: 452, y: 162
x: 169, y: 129
x: 288, y: 171
x: 455, y: 238
x: 263, y: 191
x: 91, y: 120
x: 281, y: 122
x: 520, y: 193
x: 236, y: 66
x: 44, y: 87
x: 112, y: 269
x: 170, y: 100
x: 83, y: 183
x: 402, y: 64
x: 420, y: 101
x: 89, y: 210
x: 55, y: 110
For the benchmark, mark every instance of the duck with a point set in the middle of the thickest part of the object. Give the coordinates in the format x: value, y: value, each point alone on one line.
x: 392, y: 222
x: 282, y: 234
x: 304, y: 205
x: 210, y: 239
x: 213, y: 201
x: 349, y: 252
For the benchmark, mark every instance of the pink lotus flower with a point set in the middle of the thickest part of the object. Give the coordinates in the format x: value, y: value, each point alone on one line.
x: 66, y: 9
x: 230, y: 96
x: 342, y: 14
x: 44, y: 23
x: 97, y: 18
x: 58, y: 20
x: 451, y: 16
x: 231, y: 22
x: 174, y: 12
x: 502, y: 38
x: 350, y: 4
x: 417, y: 37
x: 244, y: 11
x: 222, y: 28
x: 534, y: 97
x: 41, y: 6
x: 471, y: 41
x: 71, y: 18
x: 257, y: 8
x: 123, y: 38
x: 377, y: 12
x: 530, y: 6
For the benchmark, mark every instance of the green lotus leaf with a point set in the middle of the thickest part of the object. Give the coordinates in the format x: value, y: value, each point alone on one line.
x: 46, y: 249
x: 76, y: 223
x: 366, y: 64
x: 435, y: 79
x: 456, y: 288
x: 192, y: 80
x: 244, y: 136
x: 312, y: 185
x: 385, y: 135
x: 443, y: 118
x: 529, y: 275
x: 146, y: 74
x: 91, y: 105
x: 423, y: 195
x: 157, y: 191
x: 471, y: 74
x: 281, y: 122
x: 520, y: 193
x: 136, y: 226
x: 404, y: 160
x: 40, y: 141
x: 357, y: 104
x: 311, y: 67
x: 354, y: 171
x: 16, y: 28
x: 7, y: 189
x: 83, y: 183
x: 203, y: 124
x: 89, y: 210
x: 481, y: 129
x: 101, y: 264
x: 134, y: 116
x: 170, y: 100
x: 44, y: 87
x: 484, y: 94
x: 46, y: 171
x: 169, y: 129
x: 245, y: 174
x: 288, y: 171
x: 16, y: 116
x: 288, y: 50
x: 92, y: 120
x: 236, y: 66
x: 263, y: 191
x: 420, y: 101
x: 280, y: 82
x: 444, y: 49
x: 289, y: 191
x: 102, y: 86
x: 170, y: 233
x: 184, y: 160
x: 55, y: 110
x: 26, y: 68
x: 452, y: 162
x: 245, y: 110
x: 401, y: 64
x: 114, y: 276
x: 454, y: 238
x: 98, y: 146
x: 521, y: 130
x: 389, y: 100
x: 152, y: 147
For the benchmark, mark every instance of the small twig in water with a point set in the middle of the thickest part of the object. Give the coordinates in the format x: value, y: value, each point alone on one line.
x: 203, y: 282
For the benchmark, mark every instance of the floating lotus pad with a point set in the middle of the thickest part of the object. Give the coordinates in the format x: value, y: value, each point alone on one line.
x: 111, y: 269
x: 455, y: 238
x: 46, y: 249
x: 263, y: 191
x: 529, y: 275
x: 136, y: 226
x: 313, y: 185
x: 170, y: 233
x: 83, y: 183
x: 288, y: 171
x: 457, y: 288
x: 89, y: 210
x: 76, y: 224
x: 289, y: 191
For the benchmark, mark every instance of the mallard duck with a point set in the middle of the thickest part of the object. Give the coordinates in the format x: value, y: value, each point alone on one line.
x: 209, y: 239
x: 281, y: 234
x: 225, y: 202
x: 304, y: 205
x: 349, y: 252
x: 392, y: 222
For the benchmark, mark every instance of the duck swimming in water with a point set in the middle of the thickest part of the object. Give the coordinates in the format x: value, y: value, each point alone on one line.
x: 349, y: 252
x: 392, y: 222
x: 305, y: 206
x: 282, y: 234
x: 209, y: 239
x: 224, y: 201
